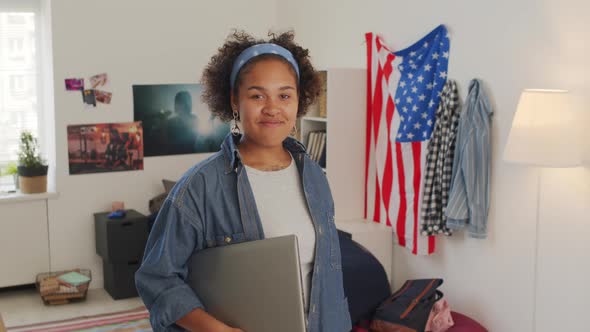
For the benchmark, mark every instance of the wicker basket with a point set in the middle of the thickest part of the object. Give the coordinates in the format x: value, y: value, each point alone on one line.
x: 53, y: 291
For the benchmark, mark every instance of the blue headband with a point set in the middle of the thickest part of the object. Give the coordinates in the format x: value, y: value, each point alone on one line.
x: 259, y: 49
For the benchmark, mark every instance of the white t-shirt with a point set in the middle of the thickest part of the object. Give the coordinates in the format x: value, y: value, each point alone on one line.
x: 283, y: 211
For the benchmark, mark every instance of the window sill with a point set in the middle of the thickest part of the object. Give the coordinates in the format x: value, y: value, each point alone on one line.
x: 20, y: 197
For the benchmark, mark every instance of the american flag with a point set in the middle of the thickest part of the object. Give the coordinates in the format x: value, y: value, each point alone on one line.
x: 403, y: 93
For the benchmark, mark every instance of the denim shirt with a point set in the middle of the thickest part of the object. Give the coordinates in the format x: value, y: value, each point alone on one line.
x: 469, y: 197
x: 213, y: 205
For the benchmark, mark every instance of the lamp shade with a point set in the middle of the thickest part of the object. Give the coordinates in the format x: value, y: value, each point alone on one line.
x: 544, y: 131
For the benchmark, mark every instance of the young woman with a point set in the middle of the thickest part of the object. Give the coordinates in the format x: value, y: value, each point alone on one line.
x: 261, y: 184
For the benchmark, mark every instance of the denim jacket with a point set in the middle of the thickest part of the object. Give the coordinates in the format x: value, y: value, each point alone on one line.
x: 213, y: 205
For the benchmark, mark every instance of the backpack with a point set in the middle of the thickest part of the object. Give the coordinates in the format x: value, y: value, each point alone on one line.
x: 364, y: 279
x: 407, y: 310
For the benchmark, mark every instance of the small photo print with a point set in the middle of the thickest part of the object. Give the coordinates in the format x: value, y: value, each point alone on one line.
x: 89, y: 97
x: 98, y: 80
x: 74, y: 84
x: 103, y: 96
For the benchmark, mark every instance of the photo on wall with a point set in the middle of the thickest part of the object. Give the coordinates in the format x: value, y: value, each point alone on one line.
x: 176, y: 121
x: 74, y: 84
x: 105, y: 147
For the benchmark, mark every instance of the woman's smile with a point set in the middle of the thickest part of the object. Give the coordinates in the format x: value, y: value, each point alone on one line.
x: 271, y: 123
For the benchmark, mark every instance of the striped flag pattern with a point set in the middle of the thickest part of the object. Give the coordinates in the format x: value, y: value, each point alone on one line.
x: 403, y: 93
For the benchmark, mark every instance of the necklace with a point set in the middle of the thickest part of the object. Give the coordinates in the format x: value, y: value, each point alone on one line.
x: 273, y: 168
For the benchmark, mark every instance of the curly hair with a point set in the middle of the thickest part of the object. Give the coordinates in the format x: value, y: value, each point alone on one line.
x: 216, y: 75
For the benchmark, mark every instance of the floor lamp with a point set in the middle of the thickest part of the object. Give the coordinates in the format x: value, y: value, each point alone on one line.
x: 543, y: 134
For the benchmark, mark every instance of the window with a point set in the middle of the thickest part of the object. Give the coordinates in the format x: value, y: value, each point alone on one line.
x: 15, y: 19
x: 15, y: 45
x: 20, y: 78
x: 17, y: 83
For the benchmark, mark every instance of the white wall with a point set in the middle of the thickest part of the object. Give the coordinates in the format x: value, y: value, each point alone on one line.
x: 511, y: 45
x: 135, y: 42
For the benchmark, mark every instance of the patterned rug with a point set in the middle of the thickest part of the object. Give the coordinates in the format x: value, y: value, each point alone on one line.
x: 135, y: 320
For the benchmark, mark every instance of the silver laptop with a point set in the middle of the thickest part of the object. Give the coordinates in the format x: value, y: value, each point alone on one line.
x: 255, y: 286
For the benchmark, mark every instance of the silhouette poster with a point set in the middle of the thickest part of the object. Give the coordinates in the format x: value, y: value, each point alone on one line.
x: 175, y: 121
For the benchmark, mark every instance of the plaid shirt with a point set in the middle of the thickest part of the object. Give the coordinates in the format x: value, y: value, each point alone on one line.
x: 439, y: 162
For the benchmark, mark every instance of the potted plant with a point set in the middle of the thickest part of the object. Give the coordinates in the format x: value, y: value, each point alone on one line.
x: 32, y: 169
x: 11, y: 169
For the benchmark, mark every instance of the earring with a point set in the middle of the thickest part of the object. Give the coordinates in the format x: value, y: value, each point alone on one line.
x: 235, y: 129
x: 294, y: 131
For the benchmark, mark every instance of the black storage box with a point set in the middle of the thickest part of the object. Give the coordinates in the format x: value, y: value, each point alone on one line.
x: 119, y: 279
x: 121, y: 243
x: 121, y: 240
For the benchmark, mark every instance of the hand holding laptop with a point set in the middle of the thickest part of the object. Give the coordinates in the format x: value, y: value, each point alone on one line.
x: 255, y: 285
x: 200, y: 320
